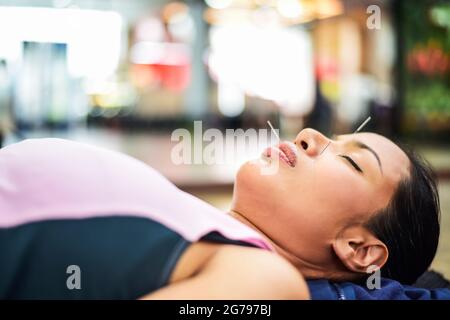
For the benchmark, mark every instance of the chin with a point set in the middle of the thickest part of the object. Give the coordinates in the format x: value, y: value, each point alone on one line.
x: 250, y: 183
x: 249, y: 172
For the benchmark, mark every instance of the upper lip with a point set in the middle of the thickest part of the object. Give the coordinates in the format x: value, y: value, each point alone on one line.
x: 288, y: 149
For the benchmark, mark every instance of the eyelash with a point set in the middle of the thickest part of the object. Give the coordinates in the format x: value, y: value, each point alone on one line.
x: 353, y: 163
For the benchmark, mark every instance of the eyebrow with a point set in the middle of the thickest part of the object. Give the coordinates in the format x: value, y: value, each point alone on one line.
x: 366, y: 147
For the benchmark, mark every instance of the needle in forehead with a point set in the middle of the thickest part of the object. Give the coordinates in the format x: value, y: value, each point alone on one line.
x: 362, y: 125
x: 356, y: 131
x: 273, y: 130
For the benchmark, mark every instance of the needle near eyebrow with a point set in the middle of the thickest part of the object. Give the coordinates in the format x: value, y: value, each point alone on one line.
x: 362, y: 125
x: 273, y: 130
x: 356, y: 131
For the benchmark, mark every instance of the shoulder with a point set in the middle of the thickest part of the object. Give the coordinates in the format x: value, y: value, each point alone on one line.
x: 233, y: 272
x: 259, y: 272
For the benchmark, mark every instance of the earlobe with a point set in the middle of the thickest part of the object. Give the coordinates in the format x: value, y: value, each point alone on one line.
x: 359, y: 250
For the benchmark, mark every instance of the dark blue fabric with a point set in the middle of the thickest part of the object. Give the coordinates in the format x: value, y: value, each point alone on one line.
x: 120, y: 257
x: 390, y: 290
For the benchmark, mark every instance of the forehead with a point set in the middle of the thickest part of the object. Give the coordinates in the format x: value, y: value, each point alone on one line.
x: 394, y: 161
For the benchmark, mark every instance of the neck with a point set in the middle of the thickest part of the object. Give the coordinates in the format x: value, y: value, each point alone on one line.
x: 308, y: 269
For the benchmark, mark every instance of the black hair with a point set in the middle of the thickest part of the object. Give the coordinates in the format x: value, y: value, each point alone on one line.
x: 409, y: 225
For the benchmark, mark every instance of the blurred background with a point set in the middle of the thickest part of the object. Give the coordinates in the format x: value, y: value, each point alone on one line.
x: 125, y: 74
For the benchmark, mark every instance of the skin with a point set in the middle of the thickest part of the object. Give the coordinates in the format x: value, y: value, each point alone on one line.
x: 232, y: 272
x: 313, y: 214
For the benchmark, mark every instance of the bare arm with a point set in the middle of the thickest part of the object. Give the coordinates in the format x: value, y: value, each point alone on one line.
x: 240, y: 273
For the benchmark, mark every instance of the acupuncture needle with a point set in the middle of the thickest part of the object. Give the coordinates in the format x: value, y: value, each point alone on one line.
x: 273, y: 130
x: 362, y: 125
x: 356, y: 131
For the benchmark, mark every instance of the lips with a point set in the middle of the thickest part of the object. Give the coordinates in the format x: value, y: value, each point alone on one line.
x: 286, y: 151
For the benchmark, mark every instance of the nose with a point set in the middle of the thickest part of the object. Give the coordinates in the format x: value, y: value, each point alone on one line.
x: 311, y: 141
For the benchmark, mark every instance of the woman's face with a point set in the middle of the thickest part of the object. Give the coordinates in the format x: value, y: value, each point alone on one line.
x: 318, y: 191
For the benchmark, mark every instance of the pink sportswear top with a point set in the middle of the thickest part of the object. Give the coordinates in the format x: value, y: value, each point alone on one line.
x: 44, y: 179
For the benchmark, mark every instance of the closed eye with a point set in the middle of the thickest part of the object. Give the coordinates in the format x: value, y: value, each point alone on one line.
x: 353, y: 163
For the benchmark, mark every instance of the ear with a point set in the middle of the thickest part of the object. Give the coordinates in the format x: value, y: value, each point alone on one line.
x: 358, y: 249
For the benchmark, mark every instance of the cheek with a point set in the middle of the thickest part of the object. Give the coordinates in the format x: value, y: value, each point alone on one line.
x: 322, y: 196
x: 339, y: 190
x: 342, y: 194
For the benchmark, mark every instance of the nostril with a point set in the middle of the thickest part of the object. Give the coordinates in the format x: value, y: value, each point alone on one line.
x: 304, y: 145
